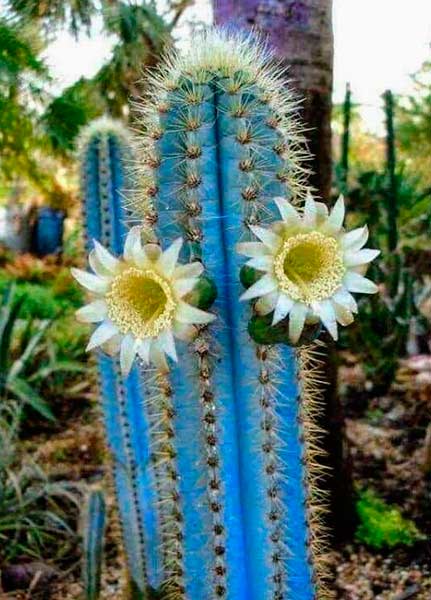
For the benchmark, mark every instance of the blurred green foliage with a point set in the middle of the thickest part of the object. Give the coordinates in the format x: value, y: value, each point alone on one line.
x: 414, y: 125
x: 38, y: 130
x: 23, y: 75
x: 75, y: 14
x: 31, y: 360
x: 382, y: 525
x: 45, y: 301
x: 37, y: 516
x: 397, y: 208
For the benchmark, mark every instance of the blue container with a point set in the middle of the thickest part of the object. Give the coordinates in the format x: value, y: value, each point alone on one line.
x: 48, y: 232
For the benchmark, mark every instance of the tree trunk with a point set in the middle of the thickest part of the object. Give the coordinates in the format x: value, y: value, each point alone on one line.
x: 300, y: 31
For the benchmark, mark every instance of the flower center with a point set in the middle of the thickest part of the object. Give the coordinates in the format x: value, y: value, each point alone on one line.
x: 141, y: 302
x: 309, y: 267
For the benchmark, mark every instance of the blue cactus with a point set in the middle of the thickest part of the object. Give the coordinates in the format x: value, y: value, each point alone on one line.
x: 214, y: 456
x: 93, y: 533
x: 218, y: 143
x: 105, y: 153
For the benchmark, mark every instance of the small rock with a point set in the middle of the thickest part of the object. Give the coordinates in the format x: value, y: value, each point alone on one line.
x: 22, y: 576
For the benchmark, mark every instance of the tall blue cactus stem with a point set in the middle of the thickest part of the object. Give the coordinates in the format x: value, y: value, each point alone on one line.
x: 105, y: 151
x: 162, y: 413
x: 94, y: 525
x: 219, y: 140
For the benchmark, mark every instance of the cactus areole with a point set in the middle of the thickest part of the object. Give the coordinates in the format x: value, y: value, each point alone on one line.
x: 209, y: 378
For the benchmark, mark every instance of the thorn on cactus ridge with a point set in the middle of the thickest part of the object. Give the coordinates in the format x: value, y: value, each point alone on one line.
x: 192, y: 123
x: 193, y: 208
x: 153, y: 161
x: 273, y: 121
x: 244, y: 137
x: 193, y: 152
x: 250, y: 193
x: 246, y: 165
x: 156, y: 133
x: 193, y: 180
x: 280, y: 148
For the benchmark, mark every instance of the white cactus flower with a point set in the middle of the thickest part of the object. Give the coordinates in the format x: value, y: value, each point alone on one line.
x: 139, y: 301
x: 310, y: 267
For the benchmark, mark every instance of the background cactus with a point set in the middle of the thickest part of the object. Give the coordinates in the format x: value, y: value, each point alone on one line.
x: 214, y: 462
x: 94, y: 524
x: 105, y: 152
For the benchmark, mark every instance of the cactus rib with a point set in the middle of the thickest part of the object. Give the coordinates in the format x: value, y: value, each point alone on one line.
x: 94, y: 531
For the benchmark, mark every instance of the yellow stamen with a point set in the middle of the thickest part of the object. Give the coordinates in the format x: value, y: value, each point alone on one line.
x: 141, y: 302
x: 309, y: 267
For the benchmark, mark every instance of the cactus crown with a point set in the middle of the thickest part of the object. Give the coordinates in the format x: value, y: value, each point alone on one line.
x: 238, y: 66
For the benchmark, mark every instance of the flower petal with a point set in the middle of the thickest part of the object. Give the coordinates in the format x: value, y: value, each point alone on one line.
x: 152, y: 251
x: 342, y: 314
x: 92, y: 313
x: 190, y: 314
x: 158, y: 358
x: 355, y: 239
x: 194, y: 269
x: 321, y: 213
x: 184, y: 332
x: 105, y: 258
x: 102, y: 334
x: 336, y: 217
x: 310, y: 212
x: 266, y: 304
x: 127, y: 353
x: 354, y: 282
x: 263, y: 286
x: 284, y: 305
x: 361, y: 257
x: 168, y: 259
x: 263, y: 263
x: 143, y: 350
x: 326, y: 313
x: 167, y: 343
x: 267, y: 237
x: 288, y: 213
x: 252, y: 249
x: 97, y: 266
x: 94, y: 283
x: 345, y: 298
x: 296, y: 321
x: 113, y: 345
x: 184, y: 286
x: 133, y: 243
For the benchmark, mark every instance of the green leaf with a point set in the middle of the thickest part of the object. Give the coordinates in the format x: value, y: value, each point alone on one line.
x: 24, y: 392
x: 9, y: 314
x: 20, y: 363
x: 382, y: 525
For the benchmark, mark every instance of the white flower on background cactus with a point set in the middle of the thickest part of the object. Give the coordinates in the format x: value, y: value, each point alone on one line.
x: 139, y: 301
x: 311, y: 267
